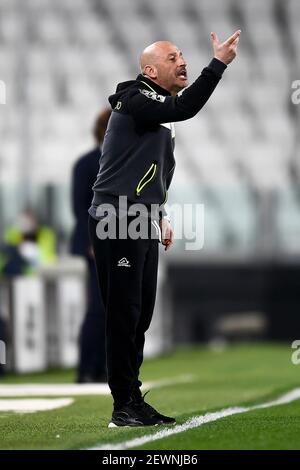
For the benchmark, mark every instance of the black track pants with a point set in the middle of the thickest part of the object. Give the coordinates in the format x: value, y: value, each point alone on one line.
x: 127, y: 275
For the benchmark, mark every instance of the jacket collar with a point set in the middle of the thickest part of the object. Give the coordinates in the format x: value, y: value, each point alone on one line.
x: 152, y: 85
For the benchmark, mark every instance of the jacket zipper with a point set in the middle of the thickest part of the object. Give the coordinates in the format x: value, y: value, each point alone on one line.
x: 166, y: 197
x: 166, y: 192
x: 148, y: 176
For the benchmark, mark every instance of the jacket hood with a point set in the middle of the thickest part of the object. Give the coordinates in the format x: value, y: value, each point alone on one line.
x: 123, y: 86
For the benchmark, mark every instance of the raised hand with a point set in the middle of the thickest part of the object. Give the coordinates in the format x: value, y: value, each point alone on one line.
x: 225, y: 51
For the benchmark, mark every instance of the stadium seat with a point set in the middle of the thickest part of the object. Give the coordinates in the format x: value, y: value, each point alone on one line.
x: 71, y: 58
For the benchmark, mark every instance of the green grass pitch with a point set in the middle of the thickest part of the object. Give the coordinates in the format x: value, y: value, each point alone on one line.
x: 239, y: 375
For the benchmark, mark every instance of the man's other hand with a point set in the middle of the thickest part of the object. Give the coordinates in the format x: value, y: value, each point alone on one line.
x: 225, y: 51
x: 167, y: 234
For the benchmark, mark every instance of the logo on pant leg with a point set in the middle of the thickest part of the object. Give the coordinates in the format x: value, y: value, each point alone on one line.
x: 124, y: 262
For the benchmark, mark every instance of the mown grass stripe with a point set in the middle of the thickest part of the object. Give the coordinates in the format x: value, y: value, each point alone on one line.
x: 198, y: 421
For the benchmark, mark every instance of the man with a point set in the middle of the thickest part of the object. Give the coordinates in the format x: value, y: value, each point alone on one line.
x: 138, y: 162
x: 92, y: 360
x: 28, y: 245
x: 3, y: 329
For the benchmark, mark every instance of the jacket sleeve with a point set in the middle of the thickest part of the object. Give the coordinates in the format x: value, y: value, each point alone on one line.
x: 151, y: 108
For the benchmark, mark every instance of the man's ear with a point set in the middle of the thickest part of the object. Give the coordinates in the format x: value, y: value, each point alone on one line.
x: 150, y: 71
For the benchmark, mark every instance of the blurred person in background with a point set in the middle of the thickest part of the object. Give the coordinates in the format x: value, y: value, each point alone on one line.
x: 138, y: 162
x: 92, y: 359
x: 3, y: 327
x: 27, y: 246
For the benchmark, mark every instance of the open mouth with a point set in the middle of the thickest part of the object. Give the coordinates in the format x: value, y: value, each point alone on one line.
x: 182, y: 74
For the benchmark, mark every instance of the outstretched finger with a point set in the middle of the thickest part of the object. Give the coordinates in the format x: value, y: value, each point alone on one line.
x: 233, y: 37
x: 214, y: 38
x: 235, y: 43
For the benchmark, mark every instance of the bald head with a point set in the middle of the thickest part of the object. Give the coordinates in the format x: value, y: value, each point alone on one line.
x: 164, y: 64
x: 152, y: 54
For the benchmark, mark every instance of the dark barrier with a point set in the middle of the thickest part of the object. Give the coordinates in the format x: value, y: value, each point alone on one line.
x: 235, y: 301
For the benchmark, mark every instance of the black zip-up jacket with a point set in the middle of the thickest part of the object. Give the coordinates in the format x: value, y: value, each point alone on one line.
x: 137, y: 154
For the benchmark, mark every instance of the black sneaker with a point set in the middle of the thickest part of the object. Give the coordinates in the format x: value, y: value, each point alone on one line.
x: 133, y: 414
x: 152, y: 412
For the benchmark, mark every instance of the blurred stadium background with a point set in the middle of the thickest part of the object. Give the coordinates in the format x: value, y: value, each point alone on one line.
x: 239, y: 157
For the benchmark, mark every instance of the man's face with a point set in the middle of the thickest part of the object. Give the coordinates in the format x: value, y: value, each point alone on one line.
x: 171, y: 69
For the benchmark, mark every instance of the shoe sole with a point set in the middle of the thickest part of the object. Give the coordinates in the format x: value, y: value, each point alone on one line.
x: 114, y: 425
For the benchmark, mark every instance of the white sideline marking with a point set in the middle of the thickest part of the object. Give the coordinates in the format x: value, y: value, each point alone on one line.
x: 35, y: 390
x: 198, y: 421
x: 34, y: 405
